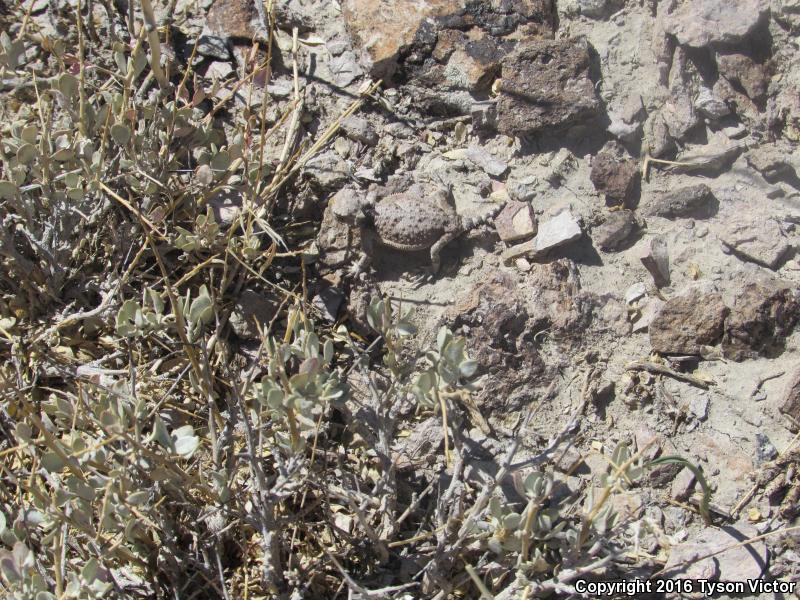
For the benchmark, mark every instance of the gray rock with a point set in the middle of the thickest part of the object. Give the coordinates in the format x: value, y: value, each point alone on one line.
x: 558, y: 231
x: 545, y: 84
x: 737, y: 563
x: 594, y: 9
x: 760, y: 241
x: 490, y: 165
x: 522, y: 186
x: 328, y: 302
x: 648, y: 315
x: 655, y: 258
x: 683, y: 484
x: 710, y: 105
x: 358, y: 129
x: 699, y: 23
x: 635, y: 292
x: 226, y: 205
x: 616, y: 229
x: 252, y: 307
x: 765, y: 450
x: 696, y: 201
x: 213, y: 46
x: 328, y: 170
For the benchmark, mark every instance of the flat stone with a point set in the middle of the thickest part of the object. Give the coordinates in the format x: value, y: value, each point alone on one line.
x: 762, y: 316
x: 545, y: 84
x: 695, y: 201
x: 760, y: 241
x: 700, y: 23
x: 384, y: 27
x: 655, y: 258
x: 558, y: 231
x: 594, y: 9
x: 251, y: 307
x: 328, y: 170
x: 515, y: 222
x: 219, y: 69
x: 616, y: 229
x: 213, y: 46
x: 683, y: 484
x: 491, y: 166
x: 649, y: 313
x: 635, y: 292
x: 689, y: 322
x: 614, y: 172
x: 328, y: 301
x: 737, y: 563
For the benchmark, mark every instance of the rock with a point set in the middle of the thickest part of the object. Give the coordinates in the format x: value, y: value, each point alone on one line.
x: 226, y: 204
x: 616, y: 229
x: 710, y: 105
x: 635, y: 292
x: 251, y: 307
x: 559, y: 230
x: 791, y: 401
x: 743, y: 71
x: 556, y: 302
x: 626, y: 120
x: 695, y: 201
x: 521, y: 186
x: 761, y: 317
x: 213, y: 46
x: 614, y: 172
x: 688, y: 323
x: 385, y: 27
x: 760, y: 241
x: 737, y: 563
x: 655, y: 258
x: 648, y: 315
x: 328, y: 301
x: 237, y: 20
x: 515, y: 222
x: 327, y: 170
x: 683, y: 484
x: 765, y: 449
x: 219, y: 70
x: 698, y: 406
x: 358, y: 129
x: 700, y: 23
x: 490, y: 165
x: 594, y: 9
x: 566, y: 459
x: 345, y: 68
x: 473, y: 65
x: 771, y: 161
x: 495, y: 313
x: 545, y: 84
x: 421, y: 448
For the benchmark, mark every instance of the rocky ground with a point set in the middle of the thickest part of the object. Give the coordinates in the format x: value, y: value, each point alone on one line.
x: 642, y: 160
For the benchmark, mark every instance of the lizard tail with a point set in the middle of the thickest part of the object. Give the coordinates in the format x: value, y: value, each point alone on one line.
x: 473, y: 222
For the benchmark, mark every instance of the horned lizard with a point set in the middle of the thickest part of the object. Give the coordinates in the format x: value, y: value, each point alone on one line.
x: 417, y: 219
